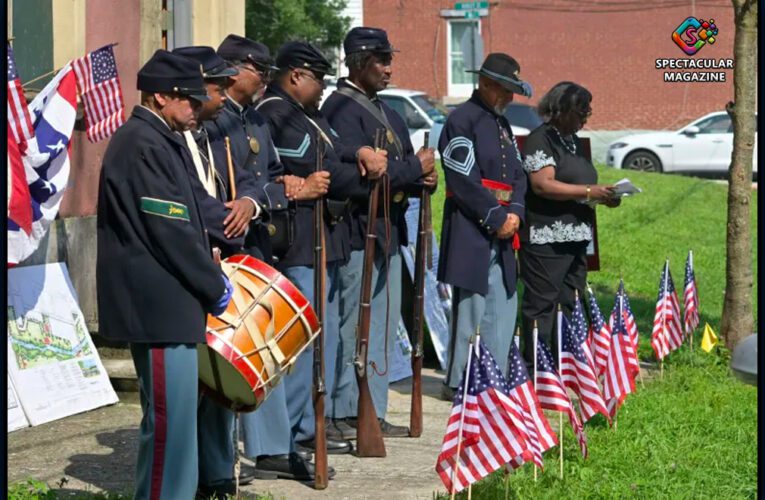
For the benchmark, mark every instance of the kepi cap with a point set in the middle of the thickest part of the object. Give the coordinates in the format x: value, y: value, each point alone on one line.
x: 503, y: 69
x: 239, y: 48
x: 168, y: 72
x: 361, y: 39
x: 213, y: 65
x: 302, y: 55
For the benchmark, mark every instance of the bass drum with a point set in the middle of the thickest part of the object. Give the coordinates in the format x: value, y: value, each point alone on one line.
x: 265, y: 327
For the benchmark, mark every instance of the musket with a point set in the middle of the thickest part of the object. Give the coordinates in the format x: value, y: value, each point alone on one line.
x: 319, y: 287
x: 421, y: 259
x: 369, y: 439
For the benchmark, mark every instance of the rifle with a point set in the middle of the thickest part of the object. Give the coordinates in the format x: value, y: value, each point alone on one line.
x: 319, y: 288
x: 420, y: 265
x: 369, y: 439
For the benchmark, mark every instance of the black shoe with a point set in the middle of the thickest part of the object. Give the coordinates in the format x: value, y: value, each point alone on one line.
x: 447, y: 393
x: 220, y: 492
x: 339, y: 429
x: 287, y: 467
x: 304, y: 453
x: 246, y: 474
x: 388, y: 429
x: 334, y: 446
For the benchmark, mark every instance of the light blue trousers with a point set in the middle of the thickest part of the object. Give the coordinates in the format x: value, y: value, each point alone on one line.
x: 345, y: 396
x: 299, y: 383
x: 495, y: 313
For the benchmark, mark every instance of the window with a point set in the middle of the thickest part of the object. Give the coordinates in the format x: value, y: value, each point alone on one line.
x: 460, y: 82
x: 432, y: 108
x: 404, y: 109
x: 715, y: 125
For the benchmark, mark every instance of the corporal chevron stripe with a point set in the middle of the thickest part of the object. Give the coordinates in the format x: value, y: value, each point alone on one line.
x: 463, y: 167
x: 296, y: 153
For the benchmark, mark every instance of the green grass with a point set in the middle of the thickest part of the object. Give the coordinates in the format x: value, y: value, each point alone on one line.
x: 671, y: 216
x: 692, y: 434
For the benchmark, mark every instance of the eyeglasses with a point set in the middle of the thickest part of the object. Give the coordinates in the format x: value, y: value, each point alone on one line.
x: 313, y: 77
x: 583, y: 114
x: 264, y: 73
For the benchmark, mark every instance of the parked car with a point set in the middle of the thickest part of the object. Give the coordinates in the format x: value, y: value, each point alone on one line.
x: 703, y: 147
x: 419, y: 111
x: 523, y: 118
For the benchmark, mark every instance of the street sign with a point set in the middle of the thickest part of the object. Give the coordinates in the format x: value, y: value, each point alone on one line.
x: 471, y: 45
x: 472, y: 14
x: 471, y: 5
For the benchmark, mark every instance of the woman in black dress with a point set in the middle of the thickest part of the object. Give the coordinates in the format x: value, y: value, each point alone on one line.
x: 559, y: 212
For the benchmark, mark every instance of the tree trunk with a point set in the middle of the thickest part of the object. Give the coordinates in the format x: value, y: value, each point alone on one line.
x: 737, y: 317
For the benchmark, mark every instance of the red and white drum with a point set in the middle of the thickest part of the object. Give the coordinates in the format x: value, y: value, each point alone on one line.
x: 256, y: 340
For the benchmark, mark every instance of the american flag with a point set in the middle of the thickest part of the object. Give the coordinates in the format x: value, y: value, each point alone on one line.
x: 577, y: 368
x: 629, y: 323
x: 99, y: 87
x: 691, y: 297
x: 600, y: 333
x: 522, y: 390
x: 493, y: 425
x: 622, y: 367
x: 552, y: 394
x: 667, y: 332
x: 46, y: 162
x: 19, y: 117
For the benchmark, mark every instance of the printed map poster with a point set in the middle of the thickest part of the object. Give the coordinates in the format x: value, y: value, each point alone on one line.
x: 51, y: 358
x: 16, y: 417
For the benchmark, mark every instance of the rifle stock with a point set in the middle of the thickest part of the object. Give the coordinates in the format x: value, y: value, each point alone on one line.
x: 420, y: 265
x: 321, y: 478
x: 369, y: 439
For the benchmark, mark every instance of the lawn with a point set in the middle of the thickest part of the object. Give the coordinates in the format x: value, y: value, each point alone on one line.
x: 693, y: 433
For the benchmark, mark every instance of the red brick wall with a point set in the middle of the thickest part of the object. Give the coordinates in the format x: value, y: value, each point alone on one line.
x: 608, y: 48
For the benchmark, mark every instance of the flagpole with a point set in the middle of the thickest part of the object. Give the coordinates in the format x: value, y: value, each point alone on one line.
x: 455, y: 470
x: 560, y: 413
x: 624, y: 320
x: 696, y: 297
x: 663, y: 314
x: 535, y: 334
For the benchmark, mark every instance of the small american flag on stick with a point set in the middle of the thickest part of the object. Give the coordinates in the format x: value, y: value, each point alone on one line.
x: 552, y: 394
x: 487, y: 427
x: 667, y: 332
x: 577, y: 367
x: 600, y: 335
x: 619, y: 380
x: 691, y: 297
x: 99, y: 87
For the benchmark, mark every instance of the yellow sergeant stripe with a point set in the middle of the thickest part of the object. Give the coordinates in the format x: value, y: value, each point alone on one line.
x: 164, y: 208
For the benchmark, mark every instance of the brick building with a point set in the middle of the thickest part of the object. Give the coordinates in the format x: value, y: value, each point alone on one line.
x: 609, y: 46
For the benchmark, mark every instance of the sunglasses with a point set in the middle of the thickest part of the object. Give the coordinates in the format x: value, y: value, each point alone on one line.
x: 264, y: 73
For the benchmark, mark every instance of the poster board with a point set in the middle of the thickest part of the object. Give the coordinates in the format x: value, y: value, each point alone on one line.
x: 16, y: 417
x: 52, y: 361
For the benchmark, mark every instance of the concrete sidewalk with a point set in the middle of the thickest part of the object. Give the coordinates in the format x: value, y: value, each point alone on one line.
x: 96, y: 451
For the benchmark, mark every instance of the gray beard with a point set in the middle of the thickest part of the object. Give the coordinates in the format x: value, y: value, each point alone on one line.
x: 500, y: 110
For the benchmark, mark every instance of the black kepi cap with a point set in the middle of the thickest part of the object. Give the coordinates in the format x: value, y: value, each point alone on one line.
x: 239, y: 48
x: 503, y: 69
x: 213, y: 65
x: 302, y: 55
x: 168, y: 72
x: 361, y: 39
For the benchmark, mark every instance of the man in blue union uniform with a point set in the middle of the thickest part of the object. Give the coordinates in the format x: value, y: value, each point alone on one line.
x: 155, y: 273
x: 300, y: 132
x: 483, y: 211
x: 355, y: 112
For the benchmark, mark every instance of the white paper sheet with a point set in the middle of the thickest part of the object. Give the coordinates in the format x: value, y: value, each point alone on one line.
x: 51, y: 358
